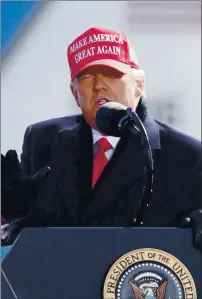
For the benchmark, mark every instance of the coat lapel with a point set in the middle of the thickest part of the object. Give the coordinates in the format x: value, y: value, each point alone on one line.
x: 75, y: 168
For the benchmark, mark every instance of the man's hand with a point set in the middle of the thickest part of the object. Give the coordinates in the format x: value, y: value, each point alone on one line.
x: 194, y: 221
x: 18, y: 190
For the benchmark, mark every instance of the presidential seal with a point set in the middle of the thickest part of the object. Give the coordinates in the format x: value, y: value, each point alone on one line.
x: 148, y: 274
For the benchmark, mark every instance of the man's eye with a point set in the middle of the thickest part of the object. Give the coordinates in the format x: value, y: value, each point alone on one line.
x: 86, y: 76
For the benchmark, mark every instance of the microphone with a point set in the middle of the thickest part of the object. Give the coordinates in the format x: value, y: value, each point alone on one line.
x: 108, y: 117
x: 115, y: 119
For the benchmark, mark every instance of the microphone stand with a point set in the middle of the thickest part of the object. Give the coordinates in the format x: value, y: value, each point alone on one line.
x: 132, y: 122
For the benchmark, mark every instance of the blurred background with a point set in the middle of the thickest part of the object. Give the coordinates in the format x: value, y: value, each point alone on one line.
x: 166, y: 36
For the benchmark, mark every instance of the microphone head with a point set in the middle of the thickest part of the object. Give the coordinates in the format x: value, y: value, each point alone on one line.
x: 108, y: 117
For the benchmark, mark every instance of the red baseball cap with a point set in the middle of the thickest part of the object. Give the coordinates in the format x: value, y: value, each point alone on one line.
x: 98, y: 46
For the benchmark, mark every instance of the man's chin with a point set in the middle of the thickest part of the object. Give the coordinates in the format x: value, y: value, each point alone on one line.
x: 92, y: 123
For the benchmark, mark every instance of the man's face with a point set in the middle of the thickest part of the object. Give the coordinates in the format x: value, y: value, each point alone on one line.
x: 100, y: 84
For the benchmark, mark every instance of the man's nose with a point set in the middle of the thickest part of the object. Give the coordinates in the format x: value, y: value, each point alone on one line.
x: 99, y: 82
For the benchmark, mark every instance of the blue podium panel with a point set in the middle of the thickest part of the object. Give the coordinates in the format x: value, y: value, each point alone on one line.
x: 72, y: 263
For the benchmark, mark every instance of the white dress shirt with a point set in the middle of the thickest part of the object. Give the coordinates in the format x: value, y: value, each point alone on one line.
x: 112, y: 140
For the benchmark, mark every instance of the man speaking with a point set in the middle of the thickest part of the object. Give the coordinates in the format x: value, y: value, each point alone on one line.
x: 94, y: 179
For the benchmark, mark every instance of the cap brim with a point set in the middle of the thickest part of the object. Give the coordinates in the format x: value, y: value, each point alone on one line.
x: 117, y: 65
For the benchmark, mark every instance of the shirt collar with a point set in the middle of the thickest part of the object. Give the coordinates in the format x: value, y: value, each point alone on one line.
x: 97, y: 135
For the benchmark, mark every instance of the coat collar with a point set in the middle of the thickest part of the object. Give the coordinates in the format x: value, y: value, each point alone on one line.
x: 151, y: 126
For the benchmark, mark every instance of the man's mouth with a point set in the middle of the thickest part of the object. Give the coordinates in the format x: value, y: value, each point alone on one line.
x: 101, y: 102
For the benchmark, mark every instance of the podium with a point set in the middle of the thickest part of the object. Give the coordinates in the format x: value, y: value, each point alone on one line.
x: 102, y: 263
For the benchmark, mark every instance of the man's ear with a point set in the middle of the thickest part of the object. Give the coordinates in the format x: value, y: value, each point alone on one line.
x: 139, y: 86
x: 75, y: 94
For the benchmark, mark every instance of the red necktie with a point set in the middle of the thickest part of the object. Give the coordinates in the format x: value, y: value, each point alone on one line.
x: 100, y: 160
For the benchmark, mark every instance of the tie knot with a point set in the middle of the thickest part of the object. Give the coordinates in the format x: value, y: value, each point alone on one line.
x: 103, y: 145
